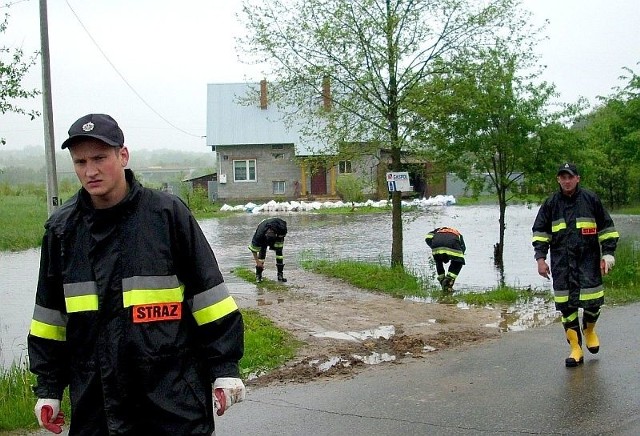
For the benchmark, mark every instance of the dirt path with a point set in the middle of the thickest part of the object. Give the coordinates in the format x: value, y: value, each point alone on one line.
x: 343, y: 327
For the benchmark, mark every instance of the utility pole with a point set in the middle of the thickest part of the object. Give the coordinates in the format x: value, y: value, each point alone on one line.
x: 47, y: 113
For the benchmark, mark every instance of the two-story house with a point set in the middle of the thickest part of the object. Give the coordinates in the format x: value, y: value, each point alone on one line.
x: 260, y: 156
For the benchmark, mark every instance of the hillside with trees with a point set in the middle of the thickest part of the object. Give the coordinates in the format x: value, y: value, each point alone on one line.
x: 28, y: 166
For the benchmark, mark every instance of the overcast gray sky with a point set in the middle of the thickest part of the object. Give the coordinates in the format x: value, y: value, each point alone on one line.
x: 168, y: 51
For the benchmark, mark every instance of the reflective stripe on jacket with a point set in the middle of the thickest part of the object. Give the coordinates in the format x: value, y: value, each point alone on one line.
x: 446, y: 241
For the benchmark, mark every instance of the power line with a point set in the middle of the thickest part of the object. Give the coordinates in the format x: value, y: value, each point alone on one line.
x: 124, y: 79
x: 8, y: 5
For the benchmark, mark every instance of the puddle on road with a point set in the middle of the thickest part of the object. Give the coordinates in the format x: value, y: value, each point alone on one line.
x: 372, y: 359
x: 327, y: 365
x: 385, y: 332
x: 522, y: 315
x: 375, y: 358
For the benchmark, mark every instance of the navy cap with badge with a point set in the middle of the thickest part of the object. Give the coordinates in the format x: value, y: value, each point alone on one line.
x: 99, y: 126
x: 568, y: 168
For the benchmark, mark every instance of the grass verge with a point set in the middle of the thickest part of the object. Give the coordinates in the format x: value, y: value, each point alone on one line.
x: 396, y: 282
x: 22, y: 219
x: 622, y: 284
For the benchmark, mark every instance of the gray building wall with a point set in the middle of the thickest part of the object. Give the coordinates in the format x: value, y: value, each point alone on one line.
x: 272, y: 164
x: 458, y: 188
x: 455, y: 186
x: 366, y: 169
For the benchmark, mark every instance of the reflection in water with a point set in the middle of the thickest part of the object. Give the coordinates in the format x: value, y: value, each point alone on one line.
x: 534, y: 313
x: 522, y: 315
x: 19, y: 273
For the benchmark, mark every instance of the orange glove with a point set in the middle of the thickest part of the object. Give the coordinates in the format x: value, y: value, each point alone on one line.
x: 49, y: 416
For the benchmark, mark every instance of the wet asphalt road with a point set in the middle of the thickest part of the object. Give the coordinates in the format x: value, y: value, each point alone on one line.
x: 514, y: 385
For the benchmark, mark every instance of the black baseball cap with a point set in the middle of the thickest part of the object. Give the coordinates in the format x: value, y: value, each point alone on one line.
x: 568, y: 168
x: 99, y: 126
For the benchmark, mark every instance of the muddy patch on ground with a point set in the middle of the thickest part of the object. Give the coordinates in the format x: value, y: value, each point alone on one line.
x: 345, y: 329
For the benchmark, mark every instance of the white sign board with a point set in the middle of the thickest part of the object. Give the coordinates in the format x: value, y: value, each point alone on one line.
x: 399, y: 181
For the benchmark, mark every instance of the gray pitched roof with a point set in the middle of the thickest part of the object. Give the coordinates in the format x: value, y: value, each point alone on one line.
x: 234, y: 117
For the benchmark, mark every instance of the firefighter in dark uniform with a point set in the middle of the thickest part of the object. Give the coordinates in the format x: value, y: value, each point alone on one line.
x: 447, y: 245
x: 131, y: 311
x: 269, y: 234
x: 573, y: 225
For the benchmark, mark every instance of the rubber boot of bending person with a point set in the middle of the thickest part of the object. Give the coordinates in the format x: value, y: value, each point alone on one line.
x: 447, y: 285
x: 575, y: 341
x: 590, y: 338
x: 259, y: 270
x: 280, y: 273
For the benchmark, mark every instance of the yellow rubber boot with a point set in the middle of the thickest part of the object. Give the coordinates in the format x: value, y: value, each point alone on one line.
x: 591, y: 338
x: 575, y: 341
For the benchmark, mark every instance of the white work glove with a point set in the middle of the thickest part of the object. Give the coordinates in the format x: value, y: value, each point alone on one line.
x: 227, y: 391
x: 49, y: 416
x: 607, y: 262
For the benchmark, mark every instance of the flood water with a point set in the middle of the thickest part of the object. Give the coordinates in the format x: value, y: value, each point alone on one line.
x: 362, y: 237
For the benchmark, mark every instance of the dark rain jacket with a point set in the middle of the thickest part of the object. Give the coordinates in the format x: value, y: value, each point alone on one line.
x: 269, y: 233
x: 446, y: 242
x: 578, y: 231
x: 133, y: 315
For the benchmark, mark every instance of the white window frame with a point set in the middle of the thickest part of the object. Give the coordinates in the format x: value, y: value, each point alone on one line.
x: 343, y: 165
x: 275, y: 187
x: 247, y: 170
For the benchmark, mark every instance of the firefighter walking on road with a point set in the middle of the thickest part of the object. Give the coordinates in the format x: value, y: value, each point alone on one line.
x: 575, y: 227
x: 269, y: 234
x: 447, y: 245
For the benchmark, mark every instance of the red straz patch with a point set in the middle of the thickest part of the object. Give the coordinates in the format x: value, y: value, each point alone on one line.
x: 157, y: 312
x: 591, y: 231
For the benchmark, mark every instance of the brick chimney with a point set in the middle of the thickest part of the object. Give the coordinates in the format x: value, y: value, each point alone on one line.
x: 263, y: 94
x: 326, y: 93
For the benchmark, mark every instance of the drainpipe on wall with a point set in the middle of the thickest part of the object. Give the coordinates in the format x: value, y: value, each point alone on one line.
x: 303, y: 179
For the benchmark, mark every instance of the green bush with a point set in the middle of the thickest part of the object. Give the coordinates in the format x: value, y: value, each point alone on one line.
x: 350, y: 188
